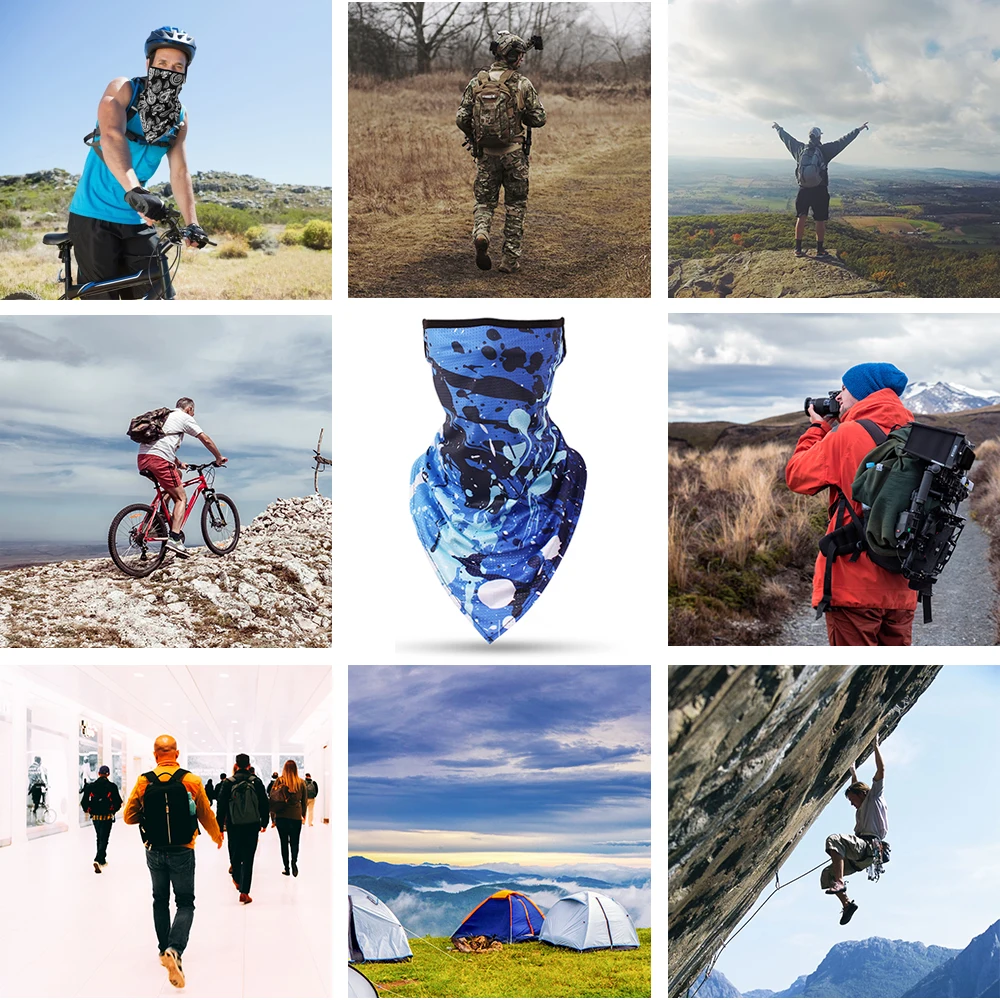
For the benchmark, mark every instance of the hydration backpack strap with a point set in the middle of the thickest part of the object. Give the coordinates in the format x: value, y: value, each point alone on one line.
x: 829, y: 547
x: 878, y: 435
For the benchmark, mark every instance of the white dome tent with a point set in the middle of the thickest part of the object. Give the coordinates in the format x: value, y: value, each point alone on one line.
x: 358, y: 985
x: 374, y: 934
x: 587, y: 921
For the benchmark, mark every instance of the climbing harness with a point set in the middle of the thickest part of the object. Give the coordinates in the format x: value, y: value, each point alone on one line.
x: 880, y: 857
x: 778, y: 884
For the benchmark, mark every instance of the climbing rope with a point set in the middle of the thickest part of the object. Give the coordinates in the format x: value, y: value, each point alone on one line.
x: 752, y: 915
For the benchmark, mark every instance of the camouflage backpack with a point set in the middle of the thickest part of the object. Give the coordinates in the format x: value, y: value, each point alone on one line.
x: 496, y: 109
x: 148, y: 427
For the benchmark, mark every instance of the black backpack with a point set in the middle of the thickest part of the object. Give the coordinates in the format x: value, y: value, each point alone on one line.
x: 168, y: 817
x: 102, y: 802
x: 244, y: 808
x: 148, y: 427
x: 909, y: 485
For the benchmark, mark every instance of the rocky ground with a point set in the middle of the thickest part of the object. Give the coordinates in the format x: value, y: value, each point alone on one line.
x: 768, y: 274
x: 244, y: 191
x: 272, y: 590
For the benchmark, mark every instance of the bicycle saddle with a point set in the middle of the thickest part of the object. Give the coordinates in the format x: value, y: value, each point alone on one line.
x: 147, y: 474
x: 56, y: 239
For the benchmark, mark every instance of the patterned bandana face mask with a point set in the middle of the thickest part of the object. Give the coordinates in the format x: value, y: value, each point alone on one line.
x: 158, y: 106
x: 497, y: 497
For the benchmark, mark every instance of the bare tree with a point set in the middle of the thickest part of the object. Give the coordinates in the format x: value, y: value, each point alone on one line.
x: 431, y: 29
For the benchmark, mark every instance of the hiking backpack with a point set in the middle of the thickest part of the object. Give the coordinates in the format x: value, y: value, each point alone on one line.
x: 279, y: 797
x: 496, y: 109
x: 102, y: 802
x: 811, y: 171
x: 909, y: 485
x: 148, y: 427
x: 244, y: 810
x: 169, y: 816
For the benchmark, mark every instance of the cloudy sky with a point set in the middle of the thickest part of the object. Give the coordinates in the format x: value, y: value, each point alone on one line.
x: 747, y: 366
x: 70, y: 386
x: 533, y: 766
x: 947, y: 741
x: 924, y: 72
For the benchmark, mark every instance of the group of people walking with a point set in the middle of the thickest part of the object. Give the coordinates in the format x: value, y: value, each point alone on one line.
x: 169, y: 804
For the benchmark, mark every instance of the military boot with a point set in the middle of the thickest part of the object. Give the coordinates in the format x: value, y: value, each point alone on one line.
x: 482, y: 245
x: 509, y: 265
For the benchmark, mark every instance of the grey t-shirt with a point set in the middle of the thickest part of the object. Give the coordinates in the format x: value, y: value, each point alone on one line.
x: 873, y: 819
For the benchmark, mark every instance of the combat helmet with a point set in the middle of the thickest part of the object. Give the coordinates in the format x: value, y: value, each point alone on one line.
x: 508, y: 46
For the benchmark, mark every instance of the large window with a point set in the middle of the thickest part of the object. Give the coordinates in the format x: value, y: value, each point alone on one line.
x: 47, y: 796
x: 6, y: 768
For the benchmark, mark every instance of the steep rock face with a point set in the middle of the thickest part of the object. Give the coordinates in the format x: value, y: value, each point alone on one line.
x: 272, y: 590
x: 767, y: 274
x: 973, y: 972
x: 755, y: 754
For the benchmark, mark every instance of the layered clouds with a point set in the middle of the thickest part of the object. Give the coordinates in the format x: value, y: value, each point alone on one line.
x: 743, y: 367
x: 924, y: 72
x: 69, y: 386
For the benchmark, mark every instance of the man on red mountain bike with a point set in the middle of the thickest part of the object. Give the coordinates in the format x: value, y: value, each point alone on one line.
x: 160, y: 460
x: 111, y: 215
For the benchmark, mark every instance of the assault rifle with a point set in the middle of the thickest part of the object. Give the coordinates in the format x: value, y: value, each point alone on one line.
x: 472, y: 146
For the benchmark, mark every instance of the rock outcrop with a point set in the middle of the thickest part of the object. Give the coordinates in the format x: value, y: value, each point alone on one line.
x: 274, y: 589
x: 767, y: 274
x: 246, y: 191
x: 755, y: 754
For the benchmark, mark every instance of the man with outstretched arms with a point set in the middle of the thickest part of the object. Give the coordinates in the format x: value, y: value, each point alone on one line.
x: 159, y: 461
x: 811, y: 159
x: 851, y: 853
x: 111, y: 215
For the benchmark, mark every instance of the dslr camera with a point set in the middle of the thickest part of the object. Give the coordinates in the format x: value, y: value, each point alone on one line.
x: 829, y: 407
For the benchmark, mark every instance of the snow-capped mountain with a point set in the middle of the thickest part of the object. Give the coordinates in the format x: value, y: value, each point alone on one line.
x: 946, y: 397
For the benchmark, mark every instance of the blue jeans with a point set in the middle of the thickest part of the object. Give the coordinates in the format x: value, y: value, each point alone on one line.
x: 177, y: 868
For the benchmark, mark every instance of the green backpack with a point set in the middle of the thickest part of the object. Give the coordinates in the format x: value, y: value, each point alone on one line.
x: 909, y: 485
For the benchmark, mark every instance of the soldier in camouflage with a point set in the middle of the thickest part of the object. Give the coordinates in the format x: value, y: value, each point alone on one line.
x: 501, y: 165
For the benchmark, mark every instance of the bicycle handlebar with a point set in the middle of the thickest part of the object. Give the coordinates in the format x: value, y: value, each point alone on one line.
x: 174, y: 232
x: 206, y: 465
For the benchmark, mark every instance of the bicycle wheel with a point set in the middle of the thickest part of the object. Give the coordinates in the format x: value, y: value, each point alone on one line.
x: 49, y: 816
x: 220, y: 524
x: 136, y: 541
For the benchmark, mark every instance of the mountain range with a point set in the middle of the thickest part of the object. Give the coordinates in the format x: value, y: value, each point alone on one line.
x: 946, y: 397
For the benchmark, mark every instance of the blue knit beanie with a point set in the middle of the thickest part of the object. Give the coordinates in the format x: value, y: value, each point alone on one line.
x: 863, y: 380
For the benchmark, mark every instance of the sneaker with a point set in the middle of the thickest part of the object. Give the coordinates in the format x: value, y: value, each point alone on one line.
x: 97, y: 868
x: 837, y: 886
x: 482, y: 244
x: 849, y: 912
x: 171, y: 961
x: 244, y: 898
x: 177, y: 547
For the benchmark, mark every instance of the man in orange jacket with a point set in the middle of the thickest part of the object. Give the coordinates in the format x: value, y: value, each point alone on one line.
x: 865, y: 605
x: 169, y: 814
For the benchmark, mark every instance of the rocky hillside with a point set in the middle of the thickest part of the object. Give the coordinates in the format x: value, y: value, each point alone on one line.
x: 244, y: 191
x: 767, y: 274
x: 273, y: 590
x: 974, y: 972
x: 755, y: 754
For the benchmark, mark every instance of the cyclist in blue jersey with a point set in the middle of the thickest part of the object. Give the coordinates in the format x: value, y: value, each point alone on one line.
x: 139, y: 120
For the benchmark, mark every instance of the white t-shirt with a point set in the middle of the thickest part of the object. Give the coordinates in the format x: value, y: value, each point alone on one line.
x: 872, y: 815
x: 177, y: 424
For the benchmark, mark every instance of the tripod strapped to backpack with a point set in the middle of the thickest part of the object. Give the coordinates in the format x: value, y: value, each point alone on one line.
x: 909, y: 486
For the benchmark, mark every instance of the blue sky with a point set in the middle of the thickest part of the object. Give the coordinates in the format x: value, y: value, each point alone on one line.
x: 942, y: 885
x: 544, y: 766
x: 69, y: 386
x: 258, y: 94
x: 924, y: 73
x: 747, y: 366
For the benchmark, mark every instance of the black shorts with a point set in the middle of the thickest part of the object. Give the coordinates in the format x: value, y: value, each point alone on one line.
x: 817, y: 198
x: 106, y: 250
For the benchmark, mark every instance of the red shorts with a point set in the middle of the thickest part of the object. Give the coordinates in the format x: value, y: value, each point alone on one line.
x: 167, y: 475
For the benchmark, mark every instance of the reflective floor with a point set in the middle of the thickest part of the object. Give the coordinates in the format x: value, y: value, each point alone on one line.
x: 65, y: 931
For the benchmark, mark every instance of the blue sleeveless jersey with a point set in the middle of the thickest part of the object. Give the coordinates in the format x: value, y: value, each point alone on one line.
x: 99, y: 195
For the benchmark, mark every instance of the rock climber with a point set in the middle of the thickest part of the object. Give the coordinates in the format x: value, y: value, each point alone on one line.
x: 811, y: 159
x: 851, y: 853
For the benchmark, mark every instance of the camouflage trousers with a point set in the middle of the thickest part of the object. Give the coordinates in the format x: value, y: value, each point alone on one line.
x: 510, y: 172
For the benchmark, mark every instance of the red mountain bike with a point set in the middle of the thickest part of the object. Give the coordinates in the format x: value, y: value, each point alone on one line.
x: 138, y: 534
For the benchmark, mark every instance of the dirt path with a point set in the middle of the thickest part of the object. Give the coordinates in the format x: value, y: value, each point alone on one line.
x: 587, y: 234
x: 964, y: 603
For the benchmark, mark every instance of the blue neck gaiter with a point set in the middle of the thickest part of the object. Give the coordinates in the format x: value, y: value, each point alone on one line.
x: 497, y: 496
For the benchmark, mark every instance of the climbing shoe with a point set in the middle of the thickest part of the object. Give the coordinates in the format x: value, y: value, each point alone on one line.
x: 482, y: 244
x: 849, y: 912
x: 509, y: 265
x: 835, y: 888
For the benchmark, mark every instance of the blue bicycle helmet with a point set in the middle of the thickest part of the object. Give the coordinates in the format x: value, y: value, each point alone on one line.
x: 171, y: 38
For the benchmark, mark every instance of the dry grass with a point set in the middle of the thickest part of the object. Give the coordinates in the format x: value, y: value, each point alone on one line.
x: 587, y: 231
x: 294, y: 272
x: 733, y: 525
x: 985, y: 500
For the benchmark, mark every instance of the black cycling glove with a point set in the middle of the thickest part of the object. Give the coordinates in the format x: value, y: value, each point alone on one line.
x: 195, y: 234
x: 147, y: 205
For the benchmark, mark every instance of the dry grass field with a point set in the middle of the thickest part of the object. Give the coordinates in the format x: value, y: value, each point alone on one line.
x: 587, y: 228
x: 985, y: 501
x: 739, y: 543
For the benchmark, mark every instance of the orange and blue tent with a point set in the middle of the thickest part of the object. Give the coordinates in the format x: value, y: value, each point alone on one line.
x: 506, y: 915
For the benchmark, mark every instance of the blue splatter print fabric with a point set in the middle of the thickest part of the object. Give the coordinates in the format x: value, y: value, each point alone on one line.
x: 497, y: 496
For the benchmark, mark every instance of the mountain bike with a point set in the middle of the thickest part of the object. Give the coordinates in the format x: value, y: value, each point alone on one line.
x: 138, y: 534
x: 161, y: 267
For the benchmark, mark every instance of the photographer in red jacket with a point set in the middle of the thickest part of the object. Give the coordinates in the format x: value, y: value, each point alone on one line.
x: 864, y: 604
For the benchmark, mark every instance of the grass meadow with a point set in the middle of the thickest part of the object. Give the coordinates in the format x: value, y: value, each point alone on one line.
x: 529, y: 969
x: 410, y: 201
x: 741, y: 545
